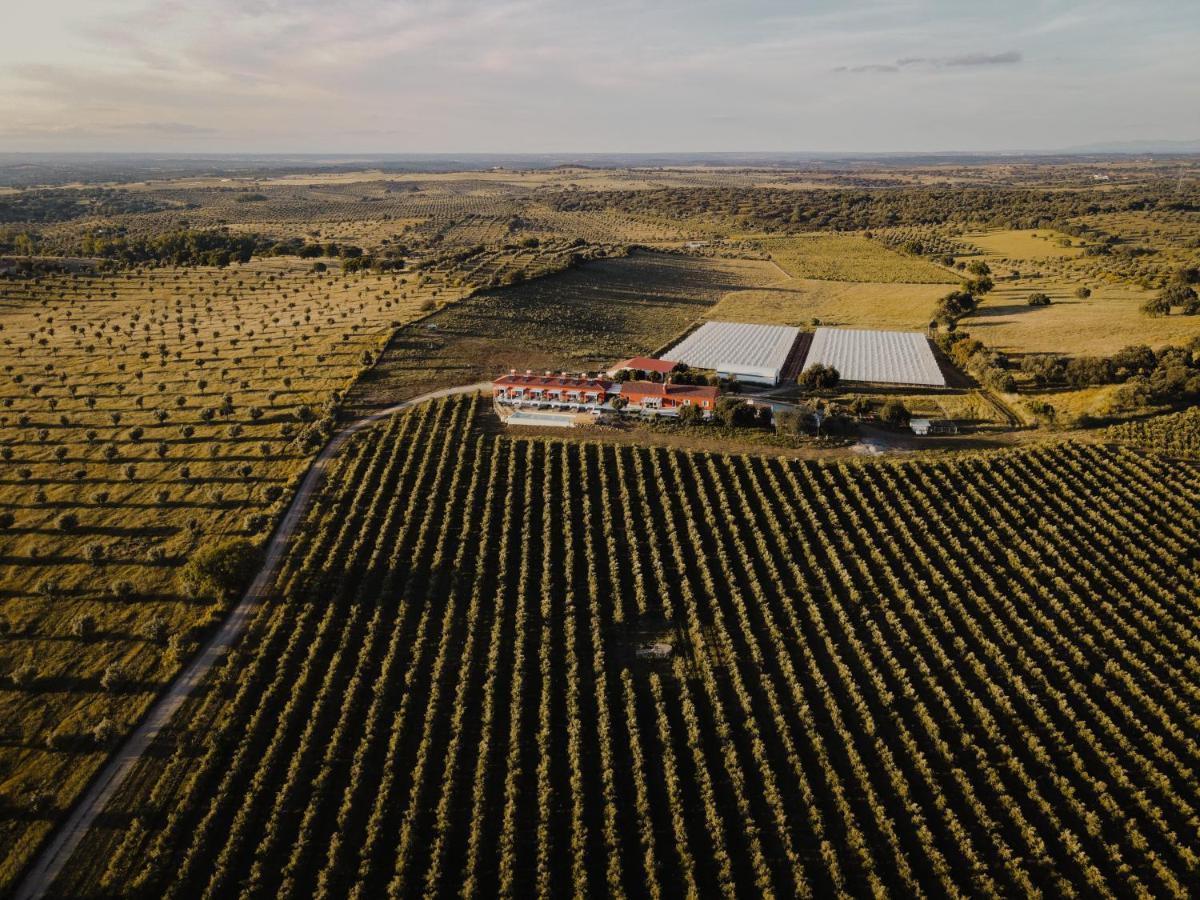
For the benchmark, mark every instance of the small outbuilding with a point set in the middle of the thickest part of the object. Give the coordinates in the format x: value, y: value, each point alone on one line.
x: 932, y: 426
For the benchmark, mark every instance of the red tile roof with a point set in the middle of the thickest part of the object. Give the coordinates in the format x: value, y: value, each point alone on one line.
x: 552, y: 381
x: 639, y: 389
x: 646, y: 364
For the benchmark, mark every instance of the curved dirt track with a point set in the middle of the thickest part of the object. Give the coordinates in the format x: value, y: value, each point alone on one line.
x: 50, y: 861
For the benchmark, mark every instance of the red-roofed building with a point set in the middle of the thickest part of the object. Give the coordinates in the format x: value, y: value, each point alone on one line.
x: 644, y: 364
x: 547, y: 388
x: 550, y: 399
x: 649, y: 395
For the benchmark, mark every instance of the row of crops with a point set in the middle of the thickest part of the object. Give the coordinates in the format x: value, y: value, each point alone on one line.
x: 1177, y: 433
x: 543, y: 666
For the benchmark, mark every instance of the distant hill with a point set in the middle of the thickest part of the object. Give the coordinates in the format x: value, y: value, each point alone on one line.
x: 1145, y: 146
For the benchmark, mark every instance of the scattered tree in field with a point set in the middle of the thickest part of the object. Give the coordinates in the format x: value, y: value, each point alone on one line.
x: 122, y: 591
x: 977, y: 287
x: 84, y: 627
x: 1039, y: 299
x: 114, y: 678
x: 24, y: 675
x: 155, y: 630
x: 105, y: 732
x: 217, y: 572
x: 1157, y: 306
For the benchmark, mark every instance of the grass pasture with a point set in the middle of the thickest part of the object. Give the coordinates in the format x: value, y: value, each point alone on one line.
x: 799, y: 301
x: 1103, y: 323
x: 1024, y: 245
x: 851, y: 257
x: 142, y: 415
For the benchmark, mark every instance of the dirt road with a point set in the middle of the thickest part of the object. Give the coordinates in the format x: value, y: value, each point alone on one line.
x: 49, y: 863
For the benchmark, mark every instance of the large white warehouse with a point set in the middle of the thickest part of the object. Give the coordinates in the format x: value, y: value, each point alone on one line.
x: 889, y: 357
x: 751, y: 353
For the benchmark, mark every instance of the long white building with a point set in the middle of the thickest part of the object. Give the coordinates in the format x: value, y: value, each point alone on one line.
x: 751, y: 353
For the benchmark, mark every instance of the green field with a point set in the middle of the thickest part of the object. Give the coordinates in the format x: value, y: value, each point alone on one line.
x: 851, y: 257
x: 541, y: 668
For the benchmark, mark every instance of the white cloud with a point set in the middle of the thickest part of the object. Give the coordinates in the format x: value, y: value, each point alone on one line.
x: 427, y: 75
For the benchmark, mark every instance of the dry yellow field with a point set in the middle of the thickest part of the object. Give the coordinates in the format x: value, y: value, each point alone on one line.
x: 1024, y: 245
x: 1071, y: 405
x: 799, y: 301
x: 1101, y: 324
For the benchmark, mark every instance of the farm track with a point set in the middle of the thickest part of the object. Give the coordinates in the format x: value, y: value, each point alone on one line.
x: 66, y: 838
x: 1003, y: 409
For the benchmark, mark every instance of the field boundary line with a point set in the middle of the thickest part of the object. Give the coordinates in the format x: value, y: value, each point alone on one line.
x: 45, y: 868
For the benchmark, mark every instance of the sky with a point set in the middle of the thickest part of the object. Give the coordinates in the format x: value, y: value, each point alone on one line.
x: 562, y: 76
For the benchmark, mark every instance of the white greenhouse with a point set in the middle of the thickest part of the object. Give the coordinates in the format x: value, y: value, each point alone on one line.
x: 751, y: 353
x: 886, y: 357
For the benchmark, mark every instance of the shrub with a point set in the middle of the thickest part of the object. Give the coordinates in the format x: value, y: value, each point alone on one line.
x: 1083, y: 292
x: 1180, y: 293
x: 1157, y: 306
x: 732, y: 411
x: 255, y: 523
x: 1039, y: 299
x: 820, y: 376
x: 113, y: 678
x: 50, y: 587
x: 790, y: 421
x: 122, y: 590
x: 23, y: 676
x: 104, y: 732
x: 38, y: 800
x: 84, y: 627
x: 155, y: 630
x: 977, y: 287
x: 894, y: 413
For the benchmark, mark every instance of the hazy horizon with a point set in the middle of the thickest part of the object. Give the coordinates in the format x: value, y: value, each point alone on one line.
x: 552, y: 76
